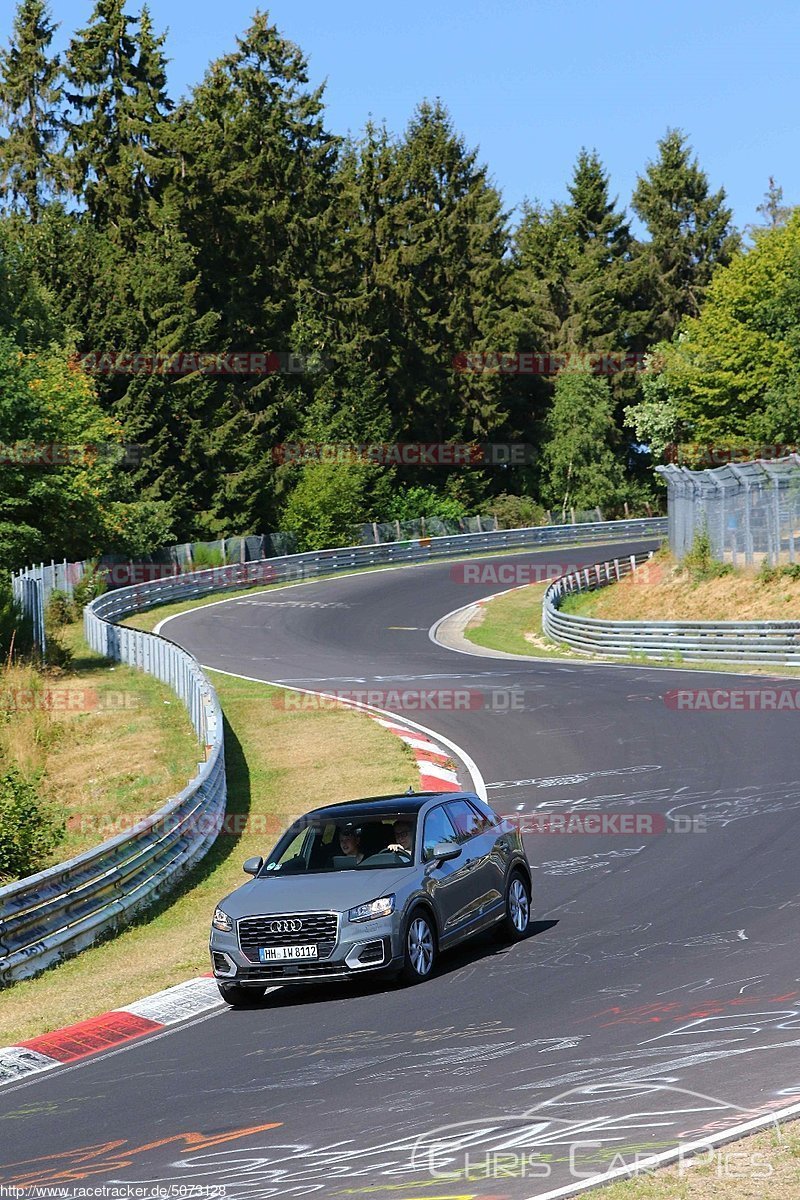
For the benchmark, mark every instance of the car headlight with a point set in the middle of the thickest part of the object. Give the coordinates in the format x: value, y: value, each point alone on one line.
x: 221, y: 921
x: 375, y: 908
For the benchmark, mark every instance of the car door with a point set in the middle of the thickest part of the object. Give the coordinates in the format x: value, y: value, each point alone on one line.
x: 448, y: 884
x: 485, y: 874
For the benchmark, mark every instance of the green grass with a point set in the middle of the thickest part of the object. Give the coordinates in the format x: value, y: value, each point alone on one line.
x: 512, y: 623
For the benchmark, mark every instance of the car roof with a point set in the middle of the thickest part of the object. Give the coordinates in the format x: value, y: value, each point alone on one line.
x: 381, y: 806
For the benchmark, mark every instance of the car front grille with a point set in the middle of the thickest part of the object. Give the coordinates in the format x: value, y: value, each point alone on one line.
x: 316, y: 928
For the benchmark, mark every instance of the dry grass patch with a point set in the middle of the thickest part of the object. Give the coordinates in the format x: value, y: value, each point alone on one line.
x: 279, y: 763
x: 765, y: 1165
x: 512, y: 621
x: 104, y: 744
x: 661, y: 591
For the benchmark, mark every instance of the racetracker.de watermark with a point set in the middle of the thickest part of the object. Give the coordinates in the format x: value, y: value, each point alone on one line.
x: 67, y: 700
x: 496, y: 362
x: 601, y: 823
x: 66, y: 454
x: 131, y: 574
x: 408, y: 454
x: 204, y: 362
x: 510, y: 574
x: 115, y: 1191
x: 404, y: 699
x: 272, y: 825
x: 734, y: 699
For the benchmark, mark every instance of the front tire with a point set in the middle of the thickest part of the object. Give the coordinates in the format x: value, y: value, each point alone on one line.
x: 514, y: 925
x: 240, y: 997
x: 420, y: 948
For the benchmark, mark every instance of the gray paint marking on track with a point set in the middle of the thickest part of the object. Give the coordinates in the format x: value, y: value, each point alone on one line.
x: 569, y: 780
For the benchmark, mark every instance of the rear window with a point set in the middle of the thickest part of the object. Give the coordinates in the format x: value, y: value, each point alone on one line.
x: 466, y: 819
x: 487, y: 811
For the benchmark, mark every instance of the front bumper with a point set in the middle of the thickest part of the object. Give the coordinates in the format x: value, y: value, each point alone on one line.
x: 361, y: 948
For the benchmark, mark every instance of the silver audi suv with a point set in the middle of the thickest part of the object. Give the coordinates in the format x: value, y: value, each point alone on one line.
x: 378, y: 885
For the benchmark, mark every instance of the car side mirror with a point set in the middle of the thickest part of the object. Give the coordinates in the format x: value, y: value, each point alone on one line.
x: 252, y: 866
x: 444, y: 851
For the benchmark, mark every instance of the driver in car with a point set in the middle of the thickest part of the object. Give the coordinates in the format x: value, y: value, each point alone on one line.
x: 403, y: 831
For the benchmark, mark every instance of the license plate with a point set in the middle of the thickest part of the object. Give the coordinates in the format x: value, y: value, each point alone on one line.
x: 279, y: 953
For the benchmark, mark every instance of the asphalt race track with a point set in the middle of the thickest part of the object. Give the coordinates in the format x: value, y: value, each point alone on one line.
x: 657, y: 1000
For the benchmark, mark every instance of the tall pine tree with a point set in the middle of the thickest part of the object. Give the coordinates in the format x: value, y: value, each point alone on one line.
x: 30, y: 106
x: 251, y: 189
x: 421, y: 237
x: 116, y: 84
x: 573, y: 266
x: 690, y: 233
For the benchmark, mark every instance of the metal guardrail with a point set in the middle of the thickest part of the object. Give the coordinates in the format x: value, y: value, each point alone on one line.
x: 710, y: 641
x: 319, y: 563
x: 60, y: 911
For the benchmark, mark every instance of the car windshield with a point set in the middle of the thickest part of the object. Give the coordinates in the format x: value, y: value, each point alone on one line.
x: 361, y: 842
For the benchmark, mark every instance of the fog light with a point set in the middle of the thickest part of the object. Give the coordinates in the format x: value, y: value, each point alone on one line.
x: 366, y: 954
x: 223, y: 965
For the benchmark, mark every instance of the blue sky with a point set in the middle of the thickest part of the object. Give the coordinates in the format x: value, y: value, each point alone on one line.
x: 531, y: 81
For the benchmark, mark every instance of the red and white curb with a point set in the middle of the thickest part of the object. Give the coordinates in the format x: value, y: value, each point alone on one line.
x: 108, y: 1031
x: 437, y: 770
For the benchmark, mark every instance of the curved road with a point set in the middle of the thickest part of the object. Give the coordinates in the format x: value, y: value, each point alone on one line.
x: 657, y: 1000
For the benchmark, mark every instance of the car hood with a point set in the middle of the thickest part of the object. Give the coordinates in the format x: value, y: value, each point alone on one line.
x: 337, y: 891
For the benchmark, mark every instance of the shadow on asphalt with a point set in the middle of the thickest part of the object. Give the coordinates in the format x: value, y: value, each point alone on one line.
x: 482, y: 947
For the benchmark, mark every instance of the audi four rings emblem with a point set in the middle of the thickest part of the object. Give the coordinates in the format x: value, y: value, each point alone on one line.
x: 286, y: 926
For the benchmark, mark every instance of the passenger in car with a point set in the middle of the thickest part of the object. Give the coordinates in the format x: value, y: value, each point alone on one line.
x: 350, y: 842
